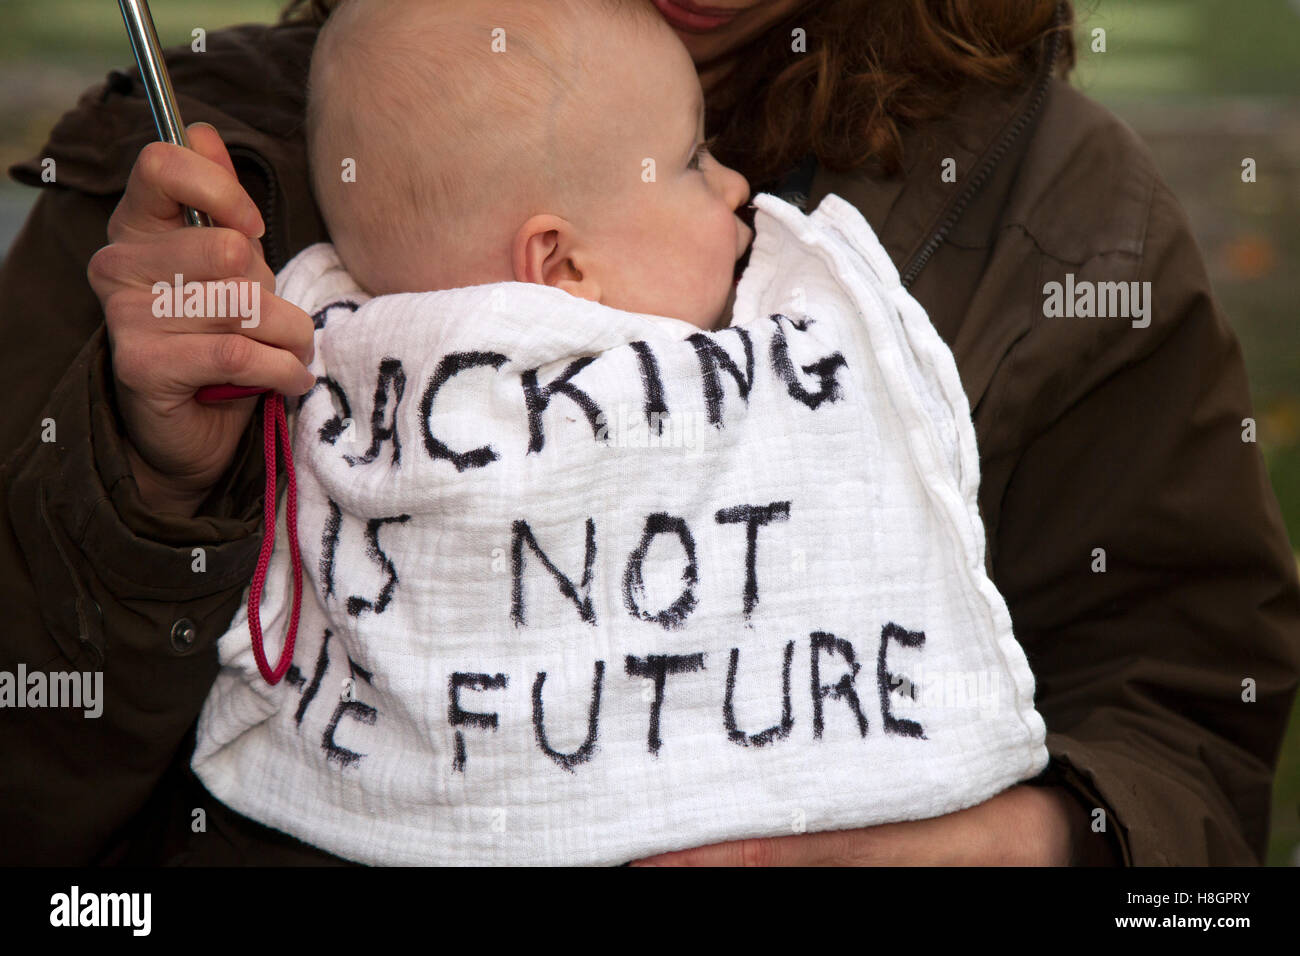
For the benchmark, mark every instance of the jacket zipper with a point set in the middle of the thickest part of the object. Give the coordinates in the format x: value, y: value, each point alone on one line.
x: 985, y: 169
x: 90, y: 616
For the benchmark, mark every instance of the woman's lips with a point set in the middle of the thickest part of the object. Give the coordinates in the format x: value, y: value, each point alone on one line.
x: 692, y: 17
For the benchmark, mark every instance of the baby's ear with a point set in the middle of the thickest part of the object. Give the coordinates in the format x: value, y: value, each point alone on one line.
x: 545, y: 252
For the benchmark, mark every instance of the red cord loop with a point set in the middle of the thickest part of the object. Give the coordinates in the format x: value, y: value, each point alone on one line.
x: 273, y: 422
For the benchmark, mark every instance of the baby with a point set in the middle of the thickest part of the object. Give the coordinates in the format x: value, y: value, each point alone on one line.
x: 541, y: 624
x: 556, y: 142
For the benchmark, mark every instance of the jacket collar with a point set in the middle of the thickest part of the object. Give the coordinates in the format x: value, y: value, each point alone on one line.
x: 915, y: 210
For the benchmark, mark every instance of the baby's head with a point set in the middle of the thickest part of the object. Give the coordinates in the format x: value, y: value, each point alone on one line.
x: 556, y: 142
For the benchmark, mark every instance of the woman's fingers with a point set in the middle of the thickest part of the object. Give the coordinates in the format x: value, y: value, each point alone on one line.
x: 165, y: 178
x: 178, y: 365
x: 240, y: 360
x: 196, y: 255
x: 138, y: 315
x: 187, y: 307
x: 274, y: 322
x: 224, y: 286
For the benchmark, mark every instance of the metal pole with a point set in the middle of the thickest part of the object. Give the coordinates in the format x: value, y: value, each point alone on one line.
x: 157, y: 84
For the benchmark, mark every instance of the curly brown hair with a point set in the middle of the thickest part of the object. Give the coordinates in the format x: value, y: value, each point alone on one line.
x: 872, y: 68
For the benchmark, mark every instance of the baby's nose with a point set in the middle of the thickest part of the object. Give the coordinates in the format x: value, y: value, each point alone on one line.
x: 735, y: 187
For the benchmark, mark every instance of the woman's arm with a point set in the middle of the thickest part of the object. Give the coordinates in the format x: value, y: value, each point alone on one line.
x: 1021, y: 826
x: 1166, y: 680
x: 94, y: 578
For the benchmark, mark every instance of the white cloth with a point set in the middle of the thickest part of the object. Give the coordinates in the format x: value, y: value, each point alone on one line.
x: 715, y: 673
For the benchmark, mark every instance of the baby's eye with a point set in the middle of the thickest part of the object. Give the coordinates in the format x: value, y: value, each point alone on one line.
x: 700, y: 152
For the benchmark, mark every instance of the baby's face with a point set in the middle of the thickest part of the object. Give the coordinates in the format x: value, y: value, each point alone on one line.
x: 581, y: 165
x: 662, y: 224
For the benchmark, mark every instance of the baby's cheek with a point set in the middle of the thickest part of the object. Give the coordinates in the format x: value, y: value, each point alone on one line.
x: 721, y: 243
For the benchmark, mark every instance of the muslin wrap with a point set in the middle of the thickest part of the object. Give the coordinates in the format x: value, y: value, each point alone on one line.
x: 583, y: 585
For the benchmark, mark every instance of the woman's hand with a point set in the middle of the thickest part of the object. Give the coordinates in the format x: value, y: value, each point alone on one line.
x: 1022, y: 826
x: 179, y: 448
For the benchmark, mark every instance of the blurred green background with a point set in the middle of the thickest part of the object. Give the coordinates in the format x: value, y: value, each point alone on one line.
x: 1206, y: 83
